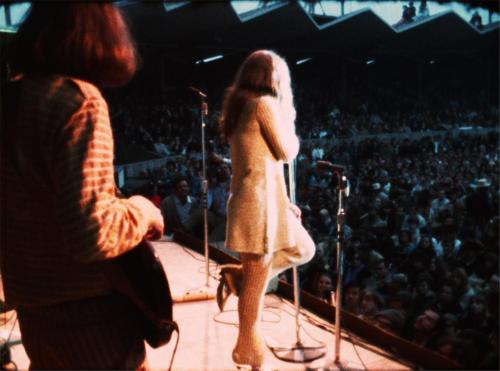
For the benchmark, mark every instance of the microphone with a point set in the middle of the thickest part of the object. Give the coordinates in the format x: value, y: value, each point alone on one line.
x: 197, y: 91
x: 326, y: 165
x: 347, y: 186
x: 344, y: 184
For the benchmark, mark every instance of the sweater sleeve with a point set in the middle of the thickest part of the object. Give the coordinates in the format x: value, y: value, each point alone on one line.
x: 278, y: 133
x: 95, y: 224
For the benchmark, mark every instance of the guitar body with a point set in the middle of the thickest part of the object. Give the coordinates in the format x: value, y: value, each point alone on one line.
x: 139, y: 275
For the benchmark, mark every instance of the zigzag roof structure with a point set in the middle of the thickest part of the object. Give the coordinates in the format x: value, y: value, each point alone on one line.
x: 195, y: 30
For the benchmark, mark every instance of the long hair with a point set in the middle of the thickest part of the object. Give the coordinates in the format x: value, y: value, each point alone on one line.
x: 90, y: 41
x: 262, y: 73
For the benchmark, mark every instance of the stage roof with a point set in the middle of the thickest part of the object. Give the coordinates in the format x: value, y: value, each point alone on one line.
x: 196, y: 30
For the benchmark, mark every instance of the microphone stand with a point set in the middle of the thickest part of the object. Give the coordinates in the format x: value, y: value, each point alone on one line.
x: 201, y: 294
x: 297, y: 352
x: 203, y: 115
x: 340, y: 262
x: 343, y: 191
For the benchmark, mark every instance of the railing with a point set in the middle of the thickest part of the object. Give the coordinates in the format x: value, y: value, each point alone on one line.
x: 467, y: 130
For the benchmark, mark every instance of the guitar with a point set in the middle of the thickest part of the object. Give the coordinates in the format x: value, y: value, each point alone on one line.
x: 139, y: 275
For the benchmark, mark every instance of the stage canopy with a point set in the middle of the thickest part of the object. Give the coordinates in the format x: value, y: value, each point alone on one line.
x: 193, y: 31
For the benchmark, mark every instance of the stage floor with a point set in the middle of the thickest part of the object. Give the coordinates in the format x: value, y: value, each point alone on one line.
x: 207, y: 337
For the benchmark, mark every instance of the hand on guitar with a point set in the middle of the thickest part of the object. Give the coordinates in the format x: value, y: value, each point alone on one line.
x: 154, y: 215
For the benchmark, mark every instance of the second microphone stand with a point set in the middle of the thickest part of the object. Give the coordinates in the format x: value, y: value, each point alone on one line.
x: 297, y: 352
x: 343, y: 191
x: 343, y: 188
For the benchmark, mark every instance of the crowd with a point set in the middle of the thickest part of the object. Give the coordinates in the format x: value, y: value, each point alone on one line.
x: 388, y: 106
x: 421, y: 239
x: 165, y: 125
x: 410, y: 15
x: 421, y: 228
x: 169, y: 123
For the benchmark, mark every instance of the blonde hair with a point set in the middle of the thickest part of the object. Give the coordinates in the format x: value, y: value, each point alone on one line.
x: 262, y: 73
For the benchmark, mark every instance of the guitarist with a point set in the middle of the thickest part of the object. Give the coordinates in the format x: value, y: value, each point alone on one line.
x: 60, y: 220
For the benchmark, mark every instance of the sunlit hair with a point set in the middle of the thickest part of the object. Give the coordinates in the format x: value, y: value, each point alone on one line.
x: 262, y: 73
x: 90, y: 41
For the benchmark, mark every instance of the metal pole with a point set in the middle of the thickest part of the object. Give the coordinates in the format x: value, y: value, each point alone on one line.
x: 340, y: 264
x: 204, y: 111
x: 296, y: 290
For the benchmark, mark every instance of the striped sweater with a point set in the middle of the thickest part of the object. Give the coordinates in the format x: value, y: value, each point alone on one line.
x: 59, y: 216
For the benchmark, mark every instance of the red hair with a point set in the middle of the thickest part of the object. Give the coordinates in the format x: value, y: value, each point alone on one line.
x: 262, y: 73
x: 90, y: 41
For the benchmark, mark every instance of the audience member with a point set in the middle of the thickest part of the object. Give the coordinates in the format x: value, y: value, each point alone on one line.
x: 322, y: 285
x: 181, y: 210
x: 447, y: 301
x: 370, y: 304
x: 391, y: 320
x: 218, y: 194
x: 426, y: 328
x: 352, y: 297
x: 476, y: 20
